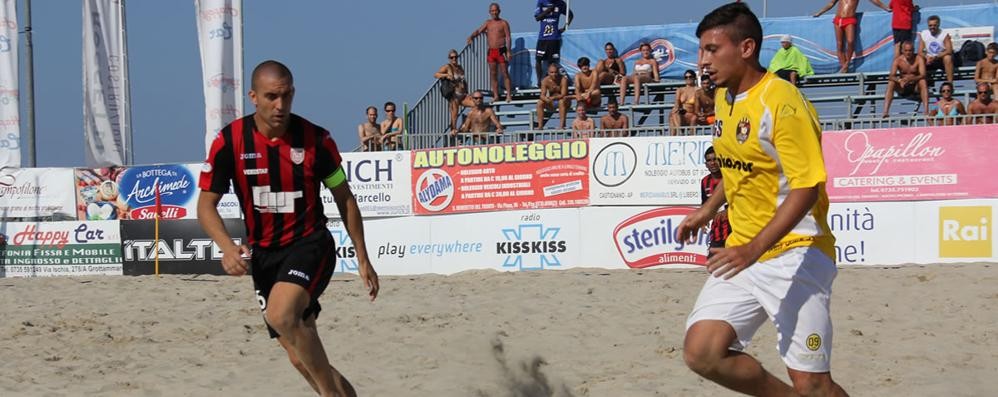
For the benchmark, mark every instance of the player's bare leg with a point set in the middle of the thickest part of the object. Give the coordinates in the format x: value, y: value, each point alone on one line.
x: 706, y: 352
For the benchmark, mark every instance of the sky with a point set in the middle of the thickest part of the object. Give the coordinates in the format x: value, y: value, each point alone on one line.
x: 345, y: 56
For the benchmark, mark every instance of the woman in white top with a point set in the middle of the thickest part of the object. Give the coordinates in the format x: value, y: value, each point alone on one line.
x: 645, y: 71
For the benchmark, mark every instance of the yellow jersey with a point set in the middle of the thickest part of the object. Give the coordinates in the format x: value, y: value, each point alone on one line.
x: 768, y: 141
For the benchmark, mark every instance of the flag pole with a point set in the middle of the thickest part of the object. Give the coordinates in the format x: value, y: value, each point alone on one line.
x: 156, y: 232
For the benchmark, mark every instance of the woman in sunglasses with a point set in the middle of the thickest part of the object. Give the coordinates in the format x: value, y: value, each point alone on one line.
x: 948, y: 110
x: 684, y: 112
x: 453, y: 87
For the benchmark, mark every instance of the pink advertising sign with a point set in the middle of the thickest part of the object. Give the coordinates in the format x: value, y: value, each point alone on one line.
x: 922, y: 163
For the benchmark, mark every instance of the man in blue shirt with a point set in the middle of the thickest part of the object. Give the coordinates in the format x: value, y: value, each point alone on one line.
x: 548, y: 12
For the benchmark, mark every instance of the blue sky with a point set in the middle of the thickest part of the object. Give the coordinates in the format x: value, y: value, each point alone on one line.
x: 345, y: 56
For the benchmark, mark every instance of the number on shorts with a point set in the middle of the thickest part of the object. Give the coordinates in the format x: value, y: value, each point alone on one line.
x: 261, y: 300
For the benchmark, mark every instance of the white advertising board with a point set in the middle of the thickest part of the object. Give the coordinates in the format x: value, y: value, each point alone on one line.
x: 37, y: 192
x: 381, y: 182
x: 955, y: 231
x: 647, y: 171
x: 638, y: 237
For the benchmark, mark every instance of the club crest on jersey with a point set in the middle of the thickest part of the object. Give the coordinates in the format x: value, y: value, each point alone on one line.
x: 297, y: 155
x: 744, y: 129
x: 718, y: 126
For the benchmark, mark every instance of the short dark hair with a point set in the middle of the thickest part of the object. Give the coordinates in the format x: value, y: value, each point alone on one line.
x: 390, y: 103
x: 689, y: 72
x: 710, y: 150
x: 934, y: 18
x: 946, y: 84
x: 612, y: 101
x: 271, y: 66
x: 993, y: 46
x: 609, y: 43
x: 369, y: 109
x: 738, y: 22
x: 584, y: 61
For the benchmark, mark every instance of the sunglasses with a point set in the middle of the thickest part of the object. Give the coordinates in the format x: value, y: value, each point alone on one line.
x: 452, y: 56
x: 690, y: 77
x: 946, y: 90
x: 983, y: 93
x: 390, y: 110
x: 476, y: 97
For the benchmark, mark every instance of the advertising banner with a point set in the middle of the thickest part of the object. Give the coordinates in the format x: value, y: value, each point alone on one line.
x: 183, y: 247
x: 875, y: 233
x: 381, y: 182
x: 503, y: 241
x: 955, y: 231
x: 10, y: 120
x: 106, y: 107
x: 638, y: 237
x: 501, y: 177
x: 220, y: 39
x: 29, y: 249
x: 647, y: 171
x: 924, y: 163
x: 37, y: 193
x: 130, y: 193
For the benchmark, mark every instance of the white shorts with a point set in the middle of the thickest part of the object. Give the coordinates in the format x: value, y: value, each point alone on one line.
x: 793, y: 290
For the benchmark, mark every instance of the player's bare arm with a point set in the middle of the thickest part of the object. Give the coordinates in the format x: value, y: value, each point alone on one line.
x: 728, y: 262
x: 211, y: 222
x: 698, y: 219
x: 350, y: 211
x: 826, y: 8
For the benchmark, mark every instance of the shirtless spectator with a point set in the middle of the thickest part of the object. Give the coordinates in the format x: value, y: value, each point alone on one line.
x: 554, y: 95
x: 587, y: 91
x: 705, y: 101
x: 984, y: 105
x: 845, y: 28
x: 947, y: 110
x: 986, y: 70
x: 936, y: 47
x: 479, y: 121
x: 369, y: 132
x: 614, y: 124
x: 684, y: 112
x: 497, y: 32
x: 391, y: 128
x: 583, y: 126
x: 645, y: 71
x: 452, y: 75
x: 612, y: 68
x: 907, y: 77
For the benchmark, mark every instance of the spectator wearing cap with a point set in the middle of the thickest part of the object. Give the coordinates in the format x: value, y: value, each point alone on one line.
x: 789, y: 63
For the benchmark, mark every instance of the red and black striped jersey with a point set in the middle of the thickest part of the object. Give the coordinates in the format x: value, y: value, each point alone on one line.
x: 277, y: 180
x: 719, y: 231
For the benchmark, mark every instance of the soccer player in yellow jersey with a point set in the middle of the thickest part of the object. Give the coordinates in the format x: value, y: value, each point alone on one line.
x: 777, y: 263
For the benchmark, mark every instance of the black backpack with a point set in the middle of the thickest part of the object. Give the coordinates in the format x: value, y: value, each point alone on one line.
x: 970, y: 52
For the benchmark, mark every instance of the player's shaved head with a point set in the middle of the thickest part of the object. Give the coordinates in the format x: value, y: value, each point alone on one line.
x: 272, y: 69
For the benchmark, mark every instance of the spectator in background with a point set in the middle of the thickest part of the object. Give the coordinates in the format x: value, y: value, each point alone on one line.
x: 583, y: 126
x: 548, y: 13
x: 845, y: 28
x: 684, y: 112
x: 705, y: 101
x: 614, y: 123
x: 984, y: 105
x: 789, y: 63
x: 453, y: 87
x: 480, y: 121
x: 645, y: 71
x: 719, y: 226
x: 986, y: 70
x: 902, y: 12
x: 937, y: 48
x: 947, y: 110
x: 391, y: 128
x: 587, y: 90
x: 497, y: 33
x: 369, y: 132
x: 554, y: 95
x: 907, y: 77
x: 612, y: 68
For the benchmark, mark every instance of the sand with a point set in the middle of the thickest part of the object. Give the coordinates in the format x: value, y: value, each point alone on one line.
x: 899, y: 331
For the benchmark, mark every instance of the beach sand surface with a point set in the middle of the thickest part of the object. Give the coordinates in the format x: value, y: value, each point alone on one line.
x: 899, y: 331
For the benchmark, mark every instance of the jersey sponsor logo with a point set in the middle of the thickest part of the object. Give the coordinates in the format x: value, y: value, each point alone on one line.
x: 614, y: 164
x: 254, y: 171
x: 265, y: 201
x: 649, y: 239
x: 249, y: 156
x: 965, y: 232
x: 727, y: 162
x: 744, y: 129
x: 434, y: 190
x: 297, y: 155
x: 718, y: 127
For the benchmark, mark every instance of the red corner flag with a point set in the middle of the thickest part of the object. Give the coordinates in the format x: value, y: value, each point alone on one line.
x: 159, y: 204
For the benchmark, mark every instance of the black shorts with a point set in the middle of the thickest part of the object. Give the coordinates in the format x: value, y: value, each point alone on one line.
x: 308, y: 262
x: 548, y: 50
x: 902, y: 35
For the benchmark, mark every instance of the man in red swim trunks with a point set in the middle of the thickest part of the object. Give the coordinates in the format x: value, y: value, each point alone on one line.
x: 845, y: 25
x: 497, y: 31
